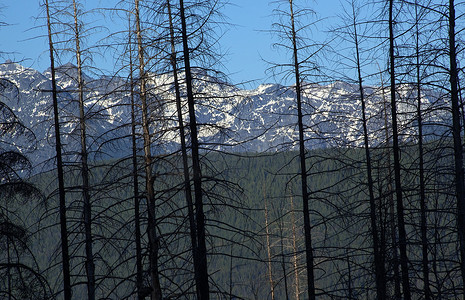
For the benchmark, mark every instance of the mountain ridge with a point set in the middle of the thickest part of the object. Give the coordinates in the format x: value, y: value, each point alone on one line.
x: 230, y: 118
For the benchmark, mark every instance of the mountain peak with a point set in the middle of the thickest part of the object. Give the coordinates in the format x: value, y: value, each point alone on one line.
x: 267, y: 88
x: 68, y: 65
x: 10, y: 66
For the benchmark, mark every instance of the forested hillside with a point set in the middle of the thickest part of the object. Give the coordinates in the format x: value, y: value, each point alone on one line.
x: 164, y: 180
x: 254, y: 226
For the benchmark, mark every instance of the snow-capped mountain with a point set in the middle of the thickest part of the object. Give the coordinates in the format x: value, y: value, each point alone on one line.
x: 230, y: 118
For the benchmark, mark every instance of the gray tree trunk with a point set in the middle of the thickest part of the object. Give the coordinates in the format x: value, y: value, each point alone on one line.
x: 202, y: 283
x: 303, y: 166
x: 380, y: 270
x: 458, y: 149
x: 397, y: 166
x: 61, y: 181
x: 152, y: 232
x: 87, y: 210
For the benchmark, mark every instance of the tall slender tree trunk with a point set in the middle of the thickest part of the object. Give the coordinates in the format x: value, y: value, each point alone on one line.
x: 61, y: 181
x: 390, y: 204
x: 397, y: 166
x: 8, y: 271
x: 283, y: 259
x: 423, y: 207
x: 135, y: 176
x: 87, y: 211
x: 380, y: 271
x: 231, y: 272
x: 294, y: 251
x: 303, y: 166
x: 185, y: 164
x: 203, y: 292
x: 458, y: 149
x: 350, y: 289
x: 268, y: 246
x: 149, y: 179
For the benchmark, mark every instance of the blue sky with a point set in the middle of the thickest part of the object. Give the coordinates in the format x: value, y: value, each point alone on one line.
x: 250, y: 42
x: 245, y: 44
